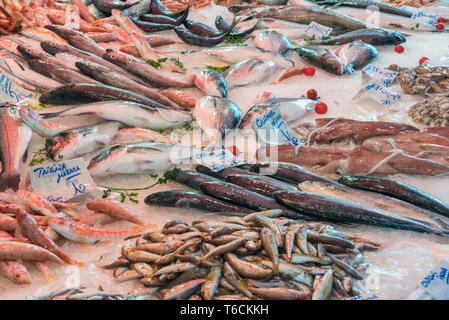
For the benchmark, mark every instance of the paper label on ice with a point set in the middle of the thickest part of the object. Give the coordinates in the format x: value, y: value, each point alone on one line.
x: 273, y: 129
x: 317, y: 31
x: 61, y: 181
x: 11, y: 92
x: 381, y: 94
x: 426, y: 18
x: 217, y: 159
x: 436, y: 283
x: 371, y: 73
x: 365, y: 296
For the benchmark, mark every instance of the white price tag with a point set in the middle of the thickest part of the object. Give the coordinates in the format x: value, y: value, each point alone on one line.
x: 437, y: 282
x: 217, y: 159
x: 383, y: 76
x: 425, y: 18
x: 381, y: 94
x: 11, y: 92
x: 61, y: 181
x: 273, y: 129
x: 317, y: 31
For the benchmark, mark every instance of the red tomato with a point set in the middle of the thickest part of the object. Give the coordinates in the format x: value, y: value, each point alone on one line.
x: 321, y: 108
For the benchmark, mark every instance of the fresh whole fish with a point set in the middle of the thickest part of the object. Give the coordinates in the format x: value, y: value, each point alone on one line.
x: 152, y: 75
x: 203, y: 41
x: 279, y: 293
x: 194, y: 199
x: 202, y: 29
x: 129, y: 135
x: 324, y: 290
x: 80, y: 141
x: 11, y: 250
x: 42, y: 34
x: 163, y: 19
x: 237, y: 54
x: 356, y: 55
x: 129, y: 113
x: 58, y: 73
x: 223, y: 25
x: 258, y: 183
x: 77, y: 93
x: 14, y: 139
x: 247, y: 269
x: 335, y: 209
x: 272, y: 41
x: 115, y: 79
x: 14, y: 271
x: 216, y: 115
x: 192, y: 179
x: 137, y: 158
x: 382, y: 202
x: 112, y: 208
x: 248, y: 72
x: 157, y: 7
x: 184, y: 290
x: 372, y: 36
x: 397, y: 190
x: 209, y: 288
x: 31, y: 53
x: 108, y: 5
x: 321, y: 58
x: 291, y: 109
x: 365, y: 4
x: 209, y: 81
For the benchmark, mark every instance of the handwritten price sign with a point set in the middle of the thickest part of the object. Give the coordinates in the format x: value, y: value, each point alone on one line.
x: 217, y: 160
x: 10, y: 91
x: 317, y: 31
x: 437, y: 282
x: 371, y: 73
x: 62, y: 181
x: 381, y: 94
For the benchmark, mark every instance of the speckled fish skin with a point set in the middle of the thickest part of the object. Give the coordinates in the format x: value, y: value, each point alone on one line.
x: 371, y: 36
x: 356, y: 55
x: 113, y: 208
x: 272, y: 41
x: 130, y: 114
x: 14, y: 139
x: 291, y: 109
x: 135, y: 158
x: 397, y: 190
x: 321, y: 58
x: 336, y: 209
x: 209, y: 81
x: 248, y: 72
x: 193, y: 199
x: 216, y: 115
x: 58, y: 73
x: 80, y: 141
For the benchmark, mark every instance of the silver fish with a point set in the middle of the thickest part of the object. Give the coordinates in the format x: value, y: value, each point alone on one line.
x: 14, y: 139
x: 209, y: 81
x: 249, y: 71
x: 80, y: 141
x: 272, y: 41
x: 322, y: 58
x: 356, y: 55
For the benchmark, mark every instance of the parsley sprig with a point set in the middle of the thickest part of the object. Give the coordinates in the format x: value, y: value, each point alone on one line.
x: 39, y: 157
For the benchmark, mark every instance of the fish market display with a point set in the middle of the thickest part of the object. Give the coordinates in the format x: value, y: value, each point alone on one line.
x: 257, y: 256
x: 249, y: 130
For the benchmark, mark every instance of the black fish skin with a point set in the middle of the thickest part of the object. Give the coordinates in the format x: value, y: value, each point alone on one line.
x: 371, y: 36
x: 157, y: 7
x: 223, y: 173
x: 336, y: 209
x: 222, y: 25
x: 365, y: 4
x: 164, y: 19
x: 397, y: 190
x: 193, y: 179
x: 194, y: 199
x: 243, y: 197
x: 203, y: 41
x: 263, y: 185
x: 202, y: 29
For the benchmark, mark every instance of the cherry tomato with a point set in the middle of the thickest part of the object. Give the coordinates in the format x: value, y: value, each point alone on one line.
x: 399, y: 48
x: 422, y: 60
x: 442, y: 20
x: 321, y: 108
x: 235, y: 151
x: 312, y: 94
x: 309, y: 71
x: 439, y: 26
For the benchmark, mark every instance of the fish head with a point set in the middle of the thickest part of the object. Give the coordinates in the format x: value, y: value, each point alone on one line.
x: 100, y: 164
x: 396, y: 37
x: 63, y: 145
x: 28, y: 52
x: 53, y: 47
x: 116, y: 57
x: 332, y: 62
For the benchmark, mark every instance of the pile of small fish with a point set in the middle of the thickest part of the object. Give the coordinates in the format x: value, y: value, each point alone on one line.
x: 432, y: 111
x: 424, y: 80
x: 77, y: 293
x: 256, y: 256
x: 30, y: 227
x: 303, y: 195
x: 411, y: 3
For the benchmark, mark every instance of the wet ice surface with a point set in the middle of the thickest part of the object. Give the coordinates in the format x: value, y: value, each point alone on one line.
x: 396, y: 270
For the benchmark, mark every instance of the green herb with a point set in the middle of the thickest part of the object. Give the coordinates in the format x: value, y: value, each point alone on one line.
x: 237, y: 40
x: 325, y: 38
x: 60, y: 157
x: 156, y: 64
x: 417, y: 25
x: 40, y: 90
x: 154, y: 176
x: 39, y: 157
x: 310, y: 39
x: 220, y: 70
x: 177, y: 63
x: 130, y: 194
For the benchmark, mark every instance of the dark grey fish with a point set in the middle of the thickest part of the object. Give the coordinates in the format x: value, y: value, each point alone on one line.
x: 202, y: 29
x: 325, y: 207
x: 91, y: 92
x: 150, y: 26
x: 243, y: 197
x: 194, y: 199
x: 158, y: 8
x: 203, y: 41
x: 356, y: 55
x: 115, y: 79
x: 263, y: 185
x: 222, y: 25
x: 371, y: 36
x: 365, y: 4
x: 397, y: 190
x: 163, y: 19
x: 192, y: 179
x: 223, y: 173
x: 321, y: 58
